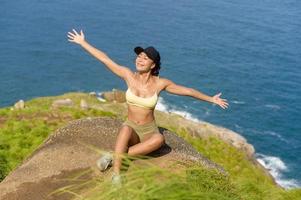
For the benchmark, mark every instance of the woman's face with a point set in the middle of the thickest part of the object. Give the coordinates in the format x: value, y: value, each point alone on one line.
x: 144, y: 63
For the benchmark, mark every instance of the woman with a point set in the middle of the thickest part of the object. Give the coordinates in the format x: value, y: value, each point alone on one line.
x: 139, y: 134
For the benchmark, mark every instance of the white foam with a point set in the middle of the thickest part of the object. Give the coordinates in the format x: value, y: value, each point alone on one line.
x: 238, y: 102
x: 276, y: 167
x: 274, y: 107
x: 185, y: 114
x: 162, y: 106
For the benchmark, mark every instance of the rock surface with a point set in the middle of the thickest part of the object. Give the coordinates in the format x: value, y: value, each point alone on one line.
x: 19, y: 105
x: 114, y: 96
x: 74, y: 149
x: 62, y: 102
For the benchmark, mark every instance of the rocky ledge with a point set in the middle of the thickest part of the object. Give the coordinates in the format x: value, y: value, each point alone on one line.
x: 75, y: 148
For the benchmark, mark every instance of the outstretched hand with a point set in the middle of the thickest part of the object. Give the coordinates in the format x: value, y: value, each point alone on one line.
x: 221, y: 102
x: 75, y: 37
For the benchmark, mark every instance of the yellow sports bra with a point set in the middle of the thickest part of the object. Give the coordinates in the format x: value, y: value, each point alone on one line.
x: 148, y: 102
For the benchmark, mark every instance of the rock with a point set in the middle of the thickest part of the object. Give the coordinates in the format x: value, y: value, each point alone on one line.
x: 19, y: 105
x: 119, y: 96
x: 62, y: 102
x: 108, y: 96
x: 204, y: 130
x: 84, y: 104
x: 75, y: 148
x: 93, y: 94
x: 114, y: 96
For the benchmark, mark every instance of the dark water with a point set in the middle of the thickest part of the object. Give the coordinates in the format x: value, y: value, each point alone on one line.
x: 249, y: 51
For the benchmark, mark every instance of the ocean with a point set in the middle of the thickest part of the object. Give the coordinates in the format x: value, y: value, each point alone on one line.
x: 248, y: 50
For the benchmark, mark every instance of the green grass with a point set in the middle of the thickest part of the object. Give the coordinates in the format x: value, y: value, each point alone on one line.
x: 22, y: 131
x: 249, y: 179
x: 148, y: 181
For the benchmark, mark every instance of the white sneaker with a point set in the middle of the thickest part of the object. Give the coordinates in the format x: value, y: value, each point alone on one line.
x: 105, y: 161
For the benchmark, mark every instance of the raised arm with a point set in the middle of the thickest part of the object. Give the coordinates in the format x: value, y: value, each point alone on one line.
x: 173, y: 88
x: 119, y: 70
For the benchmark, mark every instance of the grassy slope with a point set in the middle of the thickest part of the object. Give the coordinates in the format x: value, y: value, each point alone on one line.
x: 22, y: 131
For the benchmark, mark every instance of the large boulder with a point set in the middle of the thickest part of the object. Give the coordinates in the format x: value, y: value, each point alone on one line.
x: 114, y: 96
x: 19, y: 105
x: 74, y: 149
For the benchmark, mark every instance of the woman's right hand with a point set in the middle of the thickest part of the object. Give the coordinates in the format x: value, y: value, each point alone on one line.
x: 75, y: 37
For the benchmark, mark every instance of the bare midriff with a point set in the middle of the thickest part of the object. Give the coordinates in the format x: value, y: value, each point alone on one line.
x: 140, y: 115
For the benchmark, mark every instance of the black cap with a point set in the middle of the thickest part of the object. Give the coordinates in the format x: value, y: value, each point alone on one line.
x: 151, y: 52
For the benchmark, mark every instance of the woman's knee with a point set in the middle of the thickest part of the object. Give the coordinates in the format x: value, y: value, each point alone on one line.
x: 158, y: 139
x: 125, y: 131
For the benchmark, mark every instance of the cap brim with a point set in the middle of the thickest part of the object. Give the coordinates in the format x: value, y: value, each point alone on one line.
x: 138, y: 50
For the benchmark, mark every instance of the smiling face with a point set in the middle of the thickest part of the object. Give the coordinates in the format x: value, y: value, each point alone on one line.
x: 144, y: 63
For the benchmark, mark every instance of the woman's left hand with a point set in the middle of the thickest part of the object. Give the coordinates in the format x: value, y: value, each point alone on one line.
x: 76, y: 37
x: 221, y: 102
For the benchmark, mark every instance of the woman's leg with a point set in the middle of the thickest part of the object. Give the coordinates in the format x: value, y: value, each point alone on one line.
x: 124, y: 139
x: 150, y: 143
x: 128, y: 141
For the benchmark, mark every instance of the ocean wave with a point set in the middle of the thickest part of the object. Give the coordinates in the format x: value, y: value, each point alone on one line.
x: 238, y: 102
x: 268, y: 132
x: 272, y: 133
x: 238, y: 128
x: 274, y: 107
x: 276, y: 167
x: 164, y: 107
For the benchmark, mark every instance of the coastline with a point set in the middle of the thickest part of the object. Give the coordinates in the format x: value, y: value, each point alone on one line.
x: 169, y: 120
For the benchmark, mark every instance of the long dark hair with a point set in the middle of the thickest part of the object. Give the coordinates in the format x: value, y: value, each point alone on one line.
x: 156, y: 69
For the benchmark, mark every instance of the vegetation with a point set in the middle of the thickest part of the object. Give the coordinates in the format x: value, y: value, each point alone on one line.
x: 247, y: 178
x: 22, y: 131
x: 153, y: 182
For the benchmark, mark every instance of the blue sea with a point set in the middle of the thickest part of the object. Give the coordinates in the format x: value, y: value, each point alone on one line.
x: 248, y: 50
